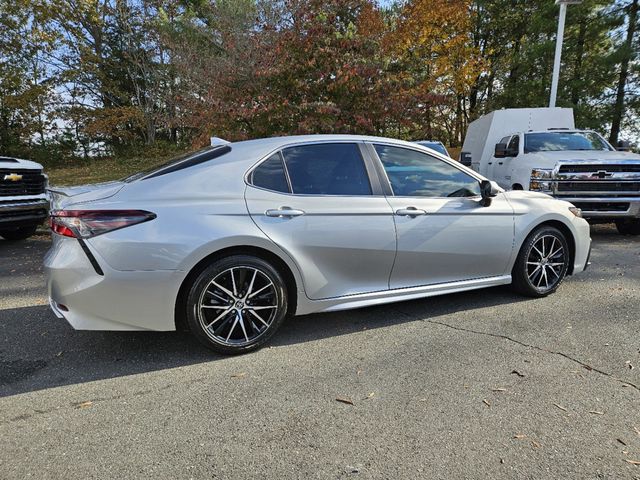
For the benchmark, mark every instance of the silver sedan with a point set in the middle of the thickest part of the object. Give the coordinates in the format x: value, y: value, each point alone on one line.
x: 231, y: 239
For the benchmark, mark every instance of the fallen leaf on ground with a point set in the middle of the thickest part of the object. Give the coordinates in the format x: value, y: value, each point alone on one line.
x: 596, y: 412
x: 486, y: 403
x: 560, y: 407
x: 517, y: 373
x: 519, y: 436
x: 620, y: 441
x: 636, y: 430
x: 371, y: 395
x: 535, y: 444
x: 239, y: 375
x: 499, y: 389
x: 348, y: 401
x: 86, y: 404
x: 632, y: 462
x: 588, y: 367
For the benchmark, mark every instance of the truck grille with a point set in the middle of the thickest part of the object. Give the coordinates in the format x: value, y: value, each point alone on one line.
x: 595, y: 168
x: 31, y: 183
x: 599, y: 186
x: 602, y: 206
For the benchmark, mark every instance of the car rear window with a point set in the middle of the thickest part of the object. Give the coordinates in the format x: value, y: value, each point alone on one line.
x: 181, y: 162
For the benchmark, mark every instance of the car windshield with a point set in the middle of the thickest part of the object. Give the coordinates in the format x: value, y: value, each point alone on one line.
x: 437, y: 146
x: 559, y: 141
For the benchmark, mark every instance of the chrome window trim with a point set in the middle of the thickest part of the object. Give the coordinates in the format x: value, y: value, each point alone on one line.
x: 248, y: 177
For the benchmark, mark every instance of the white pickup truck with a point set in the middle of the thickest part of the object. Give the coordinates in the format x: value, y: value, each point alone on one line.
x: 540, y: 149
x: 24, y: 202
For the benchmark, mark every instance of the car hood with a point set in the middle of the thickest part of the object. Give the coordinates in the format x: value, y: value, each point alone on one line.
x: 601, y: 157
x: 18, y: 163
x: 525, y: 194
x: 63, y: 197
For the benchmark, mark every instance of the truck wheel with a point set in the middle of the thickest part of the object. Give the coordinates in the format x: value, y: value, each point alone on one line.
x: 542, y: 262
x: 19, y: 233
x: 628, y: 226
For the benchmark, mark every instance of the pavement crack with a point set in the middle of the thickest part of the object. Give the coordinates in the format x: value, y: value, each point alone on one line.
x: 535, y: 347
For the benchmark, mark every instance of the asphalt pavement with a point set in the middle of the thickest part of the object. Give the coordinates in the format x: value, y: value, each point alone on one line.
x: 484, y: 384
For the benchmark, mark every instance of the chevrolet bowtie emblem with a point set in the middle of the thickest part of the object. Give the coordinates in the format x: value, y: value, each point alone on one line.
x: 13, y: 177
x: 602, y: 174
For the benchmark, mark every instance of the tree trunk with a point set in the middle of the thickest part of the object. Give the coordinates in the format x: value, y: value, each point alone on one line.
x: 577, y: 68
x: 627, y: 55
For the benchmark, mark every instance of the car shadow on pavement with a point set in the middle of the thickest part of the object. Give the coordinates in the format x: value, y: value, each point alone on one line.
x: 39, y: 351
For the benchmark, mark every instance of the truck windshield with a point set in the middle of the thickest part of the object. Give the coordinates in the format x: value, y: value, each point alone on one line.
x: 558, y: 141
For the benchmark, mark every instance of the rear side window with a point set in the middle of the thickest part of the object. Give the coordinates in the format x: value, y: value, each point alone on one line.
x: 416, y: 174
x: 327, y: 169
x: 270, y: 175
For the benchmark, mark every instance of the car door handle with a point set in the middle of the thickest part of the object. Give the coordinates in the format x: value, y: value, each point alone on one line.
x: 500, y: 163
x: 284, y: 212
x: 410, y: 212
x: 490, y: 163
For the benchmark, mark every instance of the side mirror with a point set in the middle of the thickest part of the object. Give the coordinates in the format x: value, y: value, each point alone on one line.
x: 465, y: 159
x: 488, y: 190
x: 623, y: 146
x: 500, y: 150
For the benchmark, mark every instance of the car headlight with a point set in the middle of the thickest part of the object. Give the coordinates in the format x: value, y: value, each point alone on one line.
x: 576, y: 211
x: 541, y: 173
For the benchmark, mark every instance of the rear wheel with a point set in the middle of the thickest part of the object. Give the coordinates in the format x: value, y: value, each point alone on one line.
x: 236, y: 304
x: 542, y: 262
x: 628, y: 226
x: 19, y: 233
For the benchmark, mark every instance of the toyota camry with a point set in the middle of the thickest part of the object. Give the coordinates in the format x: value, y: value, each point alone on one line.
x: 230, y: 240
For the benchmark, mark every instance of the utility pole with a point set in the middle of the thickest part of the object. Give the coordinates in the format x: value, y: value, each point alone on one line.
x: 559, y: 40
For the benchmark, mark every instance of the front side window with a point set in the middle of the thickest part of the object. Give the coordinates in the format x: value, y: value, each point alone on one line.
x: 416, y: 174
x: 327, y: 169
x: 514, y: 144
x: 564, y: 141
x: 270, y: 175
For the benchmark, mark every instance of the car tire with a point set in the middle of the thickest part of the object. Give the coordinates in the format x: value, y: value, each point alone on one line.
x: 236, y: 304
x: 18, y: 233
x: 542, y: 263
x: 628, y: 226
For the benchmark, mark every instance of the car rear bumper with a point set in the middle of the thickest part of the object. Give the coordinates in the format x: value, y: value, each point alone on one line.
x: 115, y: 300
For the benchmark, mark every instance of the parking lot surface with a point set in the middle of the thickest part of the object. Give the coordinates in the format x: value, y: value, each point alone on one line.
x: 483, y: 384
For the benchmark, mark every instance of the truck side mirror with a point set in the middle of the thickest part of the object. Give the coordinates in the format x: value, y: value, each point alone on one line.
x: 623, y: 146
x: 500, y: 151
x: 465, y: 158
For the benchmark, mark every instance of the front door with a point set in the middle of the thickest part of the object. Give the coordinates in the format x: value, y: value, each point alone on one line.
x: 444, y: 233
x: 316, y: 202
x: 503, y: 167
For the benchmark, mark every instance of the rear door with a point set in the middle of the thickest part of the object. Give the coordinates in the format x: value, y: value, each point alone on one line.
x: 444, y: 234
x: 323, y: 205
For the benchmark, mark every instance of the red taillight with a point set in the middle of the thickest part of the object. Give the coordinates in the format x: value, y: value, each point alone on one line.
x: 89, y: 223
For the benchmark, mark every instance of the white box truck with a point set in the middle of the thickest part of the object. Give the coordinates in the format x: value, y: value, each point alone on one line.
x: 540, y: 149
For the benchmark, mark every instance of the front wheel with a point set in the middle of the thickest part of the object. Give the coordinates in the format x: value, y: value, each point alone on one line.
x: 542, y: 262
x: 19, y: 233
x: 236, y: 304
x: 628, y: 226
